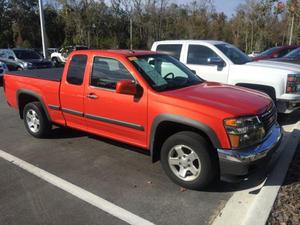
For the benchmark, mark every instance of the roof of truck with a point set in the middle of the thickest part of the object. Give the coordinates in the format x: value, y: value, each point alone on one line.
x: 213, y: 42
x: 124, y: 52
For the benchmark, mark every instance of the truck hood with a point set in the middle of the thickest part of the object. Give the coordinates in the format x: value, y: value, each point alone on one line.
x: 275, y: 65
x: 236, y: 101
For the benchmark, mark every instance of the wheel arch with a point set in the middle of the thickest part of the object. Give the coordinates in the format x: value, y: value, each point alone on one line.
x: 26, y: 96
x: 166, y: 125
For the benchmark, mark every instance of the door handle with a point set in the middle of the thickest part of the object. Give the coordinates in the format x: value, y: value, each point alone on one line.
x: 92, y: 96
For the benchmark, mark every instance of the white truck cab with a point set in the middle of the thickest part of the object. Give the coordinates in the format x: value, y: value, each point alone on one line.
x: 222, y: 62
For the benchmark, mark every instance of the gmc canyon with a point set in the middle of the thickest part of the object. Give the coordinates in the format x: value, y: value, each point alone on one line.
x: 198, y: 130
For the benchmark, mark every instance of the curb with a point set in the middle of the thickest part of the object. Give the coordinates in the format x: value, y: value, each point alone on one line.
x: 247, y: 208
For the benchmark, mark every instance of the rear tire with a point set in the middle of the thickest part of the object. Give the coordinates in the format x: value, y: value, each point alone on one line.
x: 35, y: 120
x: 189, y: 160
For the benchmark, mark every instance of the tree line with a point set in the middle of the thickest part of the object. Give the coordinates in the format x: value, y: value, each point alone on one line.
x: 254, y: 25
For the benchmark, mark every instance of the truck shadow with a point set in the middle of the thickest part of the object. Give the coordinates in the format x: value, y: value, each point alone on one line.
x: 289, y: 119
x: 65, y: 132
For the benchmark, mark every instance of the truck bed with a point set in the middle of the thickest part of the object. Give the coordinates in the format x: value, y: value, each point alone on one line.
x: 53, y: 74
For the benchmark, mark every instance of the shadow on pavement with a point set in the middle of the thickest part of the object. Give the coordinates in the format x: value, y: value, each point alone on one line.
x: 65, y: 132
x: 288, y: 119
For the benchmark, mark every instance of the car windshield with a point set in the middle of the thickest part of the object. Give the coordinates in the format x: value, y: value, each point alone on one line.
x: 268, y: 52
x: 234, y: 54
x: 164, y: 72
x: 293, y: 54
x: 27, y: 54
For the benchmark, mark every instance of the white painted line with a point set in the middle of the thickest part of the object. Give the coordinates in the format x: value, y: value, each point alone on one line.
x: 247, y: 208
x: 78, y: 192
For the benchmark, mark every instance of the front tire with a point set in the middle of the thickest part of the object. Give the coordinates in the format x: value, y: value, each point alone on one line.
x: 35, y: 120
x: 189, y: 160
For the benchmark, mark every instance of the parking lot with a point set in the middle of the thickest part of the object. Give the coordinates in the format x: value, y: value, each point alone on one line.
x: 115, y: 172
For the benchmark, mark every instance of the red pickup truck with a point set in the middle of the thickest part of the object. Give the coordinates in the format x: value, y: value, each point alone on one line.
x: 199, y: 130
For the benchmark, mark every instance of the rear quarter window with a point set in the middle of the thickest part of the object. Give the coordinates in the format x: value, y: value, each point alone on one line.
x: 76, y: 69
x: 172, y: 49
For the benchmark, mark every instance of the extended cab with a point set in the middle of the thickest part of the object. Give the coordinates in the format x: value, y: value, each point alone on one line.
x: 221, y: 62
x: 198, y: 130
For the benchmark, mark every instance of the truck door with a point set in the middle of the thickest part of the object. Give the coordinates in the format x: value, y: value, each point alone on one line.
x: 111, y: 114
x: 72, y: 92
x: 197, y: 59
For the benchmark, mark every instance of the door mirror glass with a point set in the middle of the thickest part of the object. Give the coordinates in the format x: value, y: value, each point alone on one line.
x: 215, y: 61
x: 127, y: 87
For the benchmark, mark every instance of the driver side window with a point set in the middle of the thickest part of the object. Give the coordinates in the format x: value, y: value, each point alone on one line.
x: 107, y: 72
x: 199, y: 54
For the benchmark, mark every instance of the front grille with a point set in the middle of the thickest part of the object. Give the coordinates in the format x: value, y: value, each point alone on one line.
x: 269, y: 117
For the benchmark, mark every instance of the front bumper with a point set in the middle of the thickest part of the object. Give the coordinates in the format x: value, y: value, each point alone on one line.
x: 244, y: 162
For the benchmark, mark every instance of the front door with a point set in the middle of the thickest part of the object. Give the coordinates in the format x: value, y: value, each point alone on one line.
x: 197, y: 59
x: 107, y: 113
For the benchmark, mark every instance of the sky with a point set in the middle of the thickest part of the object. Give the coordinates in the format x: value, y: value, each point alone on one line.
x: 226, y: 6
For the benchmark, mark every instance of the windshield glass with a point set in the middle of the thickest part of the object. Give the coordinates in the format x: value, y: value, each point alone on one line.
x: 268, y: 52
x: 164, y: 72
x: 234, y: 54
x: 27, y: 54
x: 293, y: 54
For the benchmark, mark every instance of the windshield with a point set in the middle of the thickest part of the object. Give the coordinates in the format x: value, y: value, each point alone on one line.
x: 293, y: 54
x: 268, y: 52
x: 234, y: 54
x: 27, y: 54
x: 164, y: 72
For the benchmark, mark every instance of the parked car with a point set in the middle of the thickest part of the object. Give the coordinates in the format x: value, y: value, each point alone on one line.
x: 3, y: 69
x: 222, y: 62
x: 60, y: 57
x: 25, y: 58
x: 275, y: 52
x: 197, y: 129
x: 253, y: 54
x: 292, y: 57
x: 11, y: 64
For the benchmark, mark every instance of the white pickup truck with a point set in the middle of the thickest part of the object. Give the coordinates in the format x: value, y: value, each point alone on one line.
x: 222, y: 62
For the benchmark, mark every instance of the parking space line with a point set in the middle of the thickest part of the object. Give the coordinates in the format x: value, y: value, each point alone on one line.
x: 78, y: 192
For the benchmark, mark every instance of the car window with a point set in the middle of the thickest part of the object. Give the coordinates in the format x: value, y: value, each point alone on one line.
x: 198, y: 54
x: 107, y: 72
x: 26, y: 54
x: 172, y: 50
x: 293, y: 54
x: 3, y: 54
x: 76, y: 69
x: 163, y: 72
x: 284, y: 52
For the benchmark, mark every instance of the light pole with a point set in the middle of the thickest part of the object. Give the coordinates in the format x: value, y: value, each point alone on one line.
x: 43, y: 33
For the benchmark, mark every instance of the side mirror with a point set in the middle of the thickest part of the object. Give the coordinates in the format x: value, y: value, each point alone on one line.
x: 193, y: 71
x: 11, y: 57
x: 217, y: 61
x: 126, y: 87
x: 276, y: 55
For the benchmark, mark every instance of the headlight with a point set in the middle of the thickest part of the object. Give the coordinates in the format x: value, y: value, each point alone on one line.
x: 244, y: 132
x: 27, y: 65
x: 293, y: 83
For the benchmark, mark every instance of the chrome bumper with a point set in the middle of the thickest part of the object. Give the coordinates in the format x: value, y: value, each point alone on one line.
x: 252, y: 154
